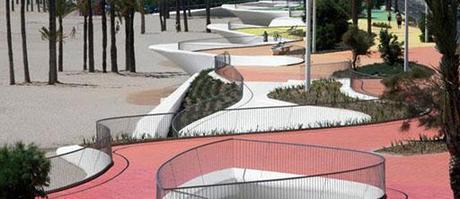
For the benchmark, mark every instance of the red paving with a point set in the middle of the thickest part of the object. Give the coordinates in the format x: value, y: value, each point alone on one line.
x: 420, y: 176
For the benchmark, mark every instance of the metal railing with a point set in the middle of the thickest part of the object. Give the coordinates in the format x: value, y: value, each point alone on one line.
x: 241, y: 168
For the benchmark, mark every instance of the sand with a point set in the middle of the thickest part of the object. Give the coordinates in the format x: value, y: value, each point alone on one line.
x: 52, y: 116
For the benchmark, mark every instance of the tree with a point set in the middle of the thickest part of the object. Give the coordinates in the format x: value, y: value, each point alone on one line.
x: 354, y: 12
x: 184, y: 7
x: 178, y: 28
x: 84, y: 10
x: 444, y: 18
x: 90, y: 37
x: 12, y: 4
x: 128, y: 7
x: 113, y: 37
x: 359, y: 41
x: 53, y: 76
x: 9, y: 42
x: 24, y: 43
x: 142, y: 11
x: 390, y: 48
x: 63, y: 8
x: 24, y: 172
x: 208, y: 15
x: 104, y: 36
x: 334, y: 19
x: 370, y: 5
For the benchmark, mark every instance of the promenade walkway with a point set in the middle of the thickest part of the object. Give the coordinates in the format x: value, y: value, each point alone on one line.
x: 419, y: 176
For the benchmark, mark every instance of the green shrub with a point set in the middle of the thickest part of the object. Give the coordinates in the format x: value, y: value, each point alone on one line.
x: 381, y: 25
x: 23, y: 171
x: 390, y: 48
x: 359, y: 41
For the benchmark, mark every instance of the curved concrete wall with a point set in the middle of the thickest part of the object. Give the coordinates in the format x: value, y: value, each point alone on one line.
x: 158, y: 126
x: 255, y: 17
x: 90, y: 160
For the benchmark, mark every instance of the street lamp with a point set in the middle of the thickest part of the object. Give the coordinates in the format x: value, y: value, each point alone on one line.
x: 427, y: 38
x: 313, y: 37
x: 406, y: 38
x: 308, y: 45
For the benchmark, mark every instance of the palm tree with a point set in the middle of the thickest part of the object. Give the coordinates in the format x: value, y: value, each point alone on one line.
x: 178, y: 28
x: 113, y: 38
x: 142, y: 11
x: 24, y: 43
x: 63, y: 8
x: 38, y: 5
x: 208, y: 16
x: 184, y: 7
x: 129, y: 7
x: 370, y: 4
x: 84, y: 11
x: 12, y: 4
x: 444, y: 18
x: 32, y: 5
x: 354, y: 12
x: 9, y: 41
x: 53, y: 76
x: 90, y: 37
x: 104, y: 37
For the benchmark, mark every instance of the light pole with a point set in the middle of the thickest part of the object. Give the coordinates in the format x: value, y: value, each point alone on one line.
x: 427, y: 38
x: 308, y: 45
x: 406, y: 38
x: 313, y: 37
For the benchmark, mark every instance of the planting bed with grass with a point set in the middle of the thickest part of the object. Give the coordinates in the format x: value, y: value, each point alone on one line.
x: 206, y: 96
x: 327, y: 93
x: 423, y: 145
x: 286, y: 32
x: 383, y: 70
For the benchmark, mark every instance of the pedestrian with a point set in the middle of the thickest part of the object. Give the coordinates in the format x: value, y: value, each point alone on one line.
x: 389, y: 17
x: 399, y: 20
x: 265, y: 36
x: 117, y: 27
x: 73, y: 32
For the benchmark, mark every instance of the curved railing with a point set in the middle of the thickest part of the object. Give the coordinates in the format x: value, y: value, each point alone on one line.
x: 241, y: 168
x: 227, y: 42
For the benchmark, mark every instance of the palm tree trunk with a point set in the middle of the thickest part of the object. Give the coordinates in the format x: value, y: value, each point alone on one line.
x: 104, y: 37
x: 90, y: 38
x: 127, y: 44
x: 32, y: 5
x: 132, y: 49
x: 178, y: 28
x: 61, y: 45
x: 52, y: 77
x: 354, y: 12
x: 45, y: 4
x: 369, y: 16
x: 208, y: 16
x: 113, y: 40
x: 142, y: 10
x: 27, y: 5
x: 85, y: 42
x: 38, y: 6
x: 184, y: 7
x: 12, y: 4
x: 24, y: 44
x: 9, y: 41
x: 397, y: 5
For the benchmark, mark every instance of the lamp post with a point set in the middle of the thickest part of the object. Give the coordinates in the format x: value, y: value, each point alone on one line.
x: 406, y: 37
x: 427, y: 38
x: 308, y: 45
x: 313, y: 37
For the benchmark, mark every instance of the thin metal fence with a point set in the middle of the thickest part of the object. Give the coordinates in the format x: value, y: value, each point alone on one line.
x: 241, y: 168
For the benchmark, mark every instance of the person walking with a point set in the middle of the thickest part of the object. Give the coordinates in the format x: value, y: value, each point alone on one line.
x: 389, y: 17
x: 399, y: 20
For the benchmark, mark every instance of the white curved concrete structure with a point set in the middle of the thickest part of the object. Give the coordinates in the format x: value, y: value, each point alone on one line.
x: 255, y: 15
x: 253, y: 120
x: 313, y: 187
x: 194, y: 62
x: 90, y: 160
x: 286, y: 21
x: 155, y: 126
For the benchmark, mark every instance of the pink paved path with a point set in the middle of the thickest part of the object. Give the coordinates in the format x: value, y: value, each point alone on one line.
x: 420, y: 176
